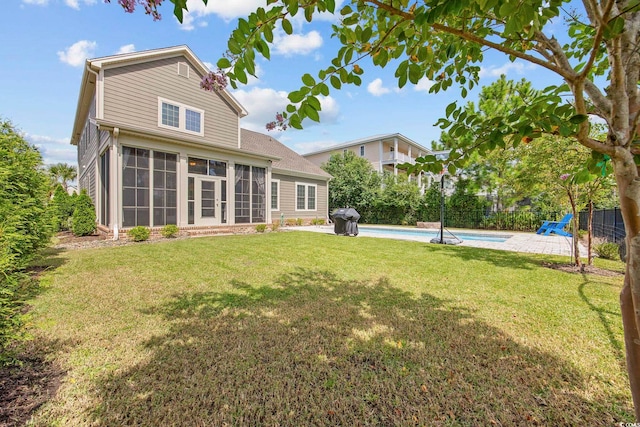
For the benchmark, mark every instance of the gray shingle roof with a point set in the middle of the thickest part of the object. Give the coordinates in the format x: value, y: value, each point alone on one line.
x: 259, y: 143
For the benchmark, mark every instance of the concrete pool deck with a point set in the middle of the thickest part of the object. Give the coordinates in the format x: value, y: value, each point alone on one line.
x: 518, y: 242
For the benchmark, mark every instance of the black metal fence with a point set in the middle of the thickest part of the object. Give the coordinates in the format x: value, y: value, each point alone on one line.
x: 607, y: 224
x: 513, y: 221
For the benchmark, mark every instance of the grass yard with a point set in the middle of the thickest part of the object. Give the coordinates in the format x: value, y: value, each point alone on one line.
x: 302, y: 328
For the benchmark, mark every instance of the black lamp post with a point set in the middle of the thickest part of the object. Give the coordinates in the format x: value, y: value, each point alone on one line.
x: 442, y: 209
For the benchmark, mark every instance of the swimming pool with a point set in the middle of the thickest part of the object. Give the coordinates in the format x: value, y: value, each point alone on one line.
x: 430, y: 234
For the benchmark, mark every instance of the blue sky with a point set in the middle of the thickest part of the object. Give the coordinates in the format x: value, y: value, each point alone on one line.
x: 45, y: 44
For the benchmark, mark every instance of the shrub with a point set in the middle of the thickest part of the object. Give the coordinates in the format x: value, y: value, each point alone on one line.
x: 169, y: 231
x: 260, y: 228
x: 290, y: 221
x: 83, y: 221
x: 25, y: 224
x: 61, y: 209
x: 139, y: 233
x: 298, y: 221
x: 275, y: 225
x: 317, y: 221
x: 607, y: 250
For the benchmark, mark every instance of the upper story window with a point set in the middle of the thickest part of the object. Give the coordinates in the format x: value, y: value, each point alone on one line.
x: 177, y: 116
x: 362, y: 151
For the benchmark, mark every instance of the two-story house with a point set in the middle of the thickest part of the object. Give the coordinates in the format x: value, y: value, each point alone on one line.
x: 156, y: 149
x: 384, y: 152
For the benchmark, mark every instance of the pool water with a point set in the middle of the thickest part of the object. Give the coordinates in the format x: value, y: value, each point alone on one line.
x: 430, y: 234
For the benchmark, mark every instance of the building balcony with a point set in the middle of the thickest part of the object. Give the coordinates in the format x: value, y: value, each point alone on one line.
x: 395, y: 157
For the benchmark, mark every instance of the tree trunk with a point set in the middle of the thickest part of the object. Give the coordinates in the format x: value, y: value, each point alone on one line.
x: 574, y: 230
x: 629, y: 187
x: 590, y: 233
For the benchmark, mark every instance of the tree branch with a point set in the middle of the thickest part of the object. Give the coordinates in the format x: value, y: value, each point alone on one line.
x: 598, y: 38
x: 476, y: 39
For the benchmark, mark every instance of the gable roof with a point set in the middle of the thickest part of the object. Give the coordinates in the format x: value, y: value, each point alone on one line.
x: 94, y: 66
x: 289, y: 160
x: 374, y: 138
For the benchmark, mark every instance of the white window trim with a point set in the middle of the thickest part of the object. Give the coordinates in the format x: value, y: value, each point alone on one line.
x: 306, y: 196
x: 277, y: 208
x: 182, y: 108
x: 362, y: 151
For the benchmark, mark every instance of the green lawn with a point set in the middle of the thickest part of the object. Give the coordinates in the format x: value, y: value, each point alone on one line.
x: 309, y: 329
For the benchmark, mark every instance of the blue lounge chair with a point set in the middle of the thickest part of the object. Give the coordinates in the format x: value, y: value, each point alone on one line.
x: 556, y: 227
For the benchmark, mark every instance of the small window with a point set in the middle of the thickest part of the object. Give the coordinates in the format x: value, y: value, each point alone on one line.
x: 362, y: 151
x: 305, y: 197
x: 198, y: 166
x: 275, y: 195
x: 217, y: 168
x: 170, y: 115
x: 300, y: 197
x: 192, y: 121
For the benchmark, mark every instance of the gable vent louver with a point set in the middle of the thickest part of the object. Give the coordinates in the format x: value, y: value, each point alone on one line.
x: 183, y: 69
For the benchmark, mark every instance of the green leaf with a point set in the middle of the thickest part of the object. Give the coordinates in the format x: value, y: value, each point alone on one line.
x: 578, y: 118
x: 177, y: 10
x: 268, y: 34
x: 308, y: 80
x: 294, y: 121
x: 335, y: 82
x: 614, y: 28
x: 415, y: 73
x: 450, y: 108
x: 296, y: 96
x: 346, y: 10
x: 292, y: 8
x: 287, y: 27
x: 311, y: 112
x: 234, y: 47
x: 331, y: 5
x: 239, y: 72
x: 223, y: 63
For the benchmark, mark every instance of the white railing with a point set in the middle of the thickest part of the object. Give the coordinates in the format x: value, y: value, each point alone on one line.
x: 398, y: 157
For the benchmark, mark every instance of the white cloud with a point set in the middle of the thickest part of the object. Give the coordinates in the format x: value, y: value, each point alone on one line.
x: 36, y: 2
x: 127, y: 48
x: 75, y: 4
x: 376, y: 88
x: 308, y: 147
x: 54, y: 150
x: 296, y: 44
x: 76, y: 54
x: 423, y: 85
x: 509, y: 67
x: 224, y: 9
x: 187, y: 22
x: 263, y: 104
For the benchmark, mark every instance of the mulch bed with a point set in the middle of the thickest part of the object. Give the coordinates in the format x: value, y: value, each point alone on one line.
x: 586, y: 269
x: 25, y: 387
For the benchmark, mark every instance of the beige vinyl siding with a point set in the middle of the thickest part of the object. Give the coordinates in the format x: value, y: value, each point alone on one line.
x: 288, y: 198
x: 131, y: 97
x: 87, y: 154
